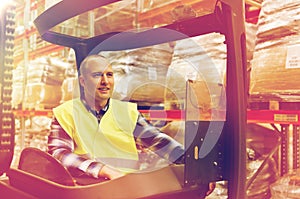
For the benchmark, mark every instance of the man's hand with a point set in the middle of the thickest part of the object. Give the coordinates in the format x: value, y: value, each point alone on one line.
x: 211, y: 188
x: 110, y: 172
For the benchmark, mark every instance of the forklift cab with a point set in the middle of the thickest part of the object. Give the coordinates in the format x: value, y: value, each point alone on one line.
x: 214, y: 148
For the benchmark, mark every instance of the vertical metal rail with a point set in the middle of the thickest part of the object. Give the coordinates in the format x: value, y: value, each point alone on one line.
x: 284, y: 148
x: 7, y: 27
x: 296, y: 145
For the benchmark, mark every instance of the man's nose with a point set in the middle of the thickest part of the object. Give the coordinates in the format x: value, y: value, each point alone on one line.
x: 104, y: 79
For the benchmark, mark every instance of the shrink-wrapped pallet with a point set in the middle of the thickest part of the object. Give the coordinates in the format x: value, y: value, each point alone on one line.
x: 140, y: 74
x: 131, y: 14
x: 262, y: 162
x: 70, y: 86
x: 70, y: 89
x: 17, y: 86
x: 115, y: 17
x: 17, y: 94
x: 45, y: 70
x: 44, y: 80
x: 34, y: 133
x: 275, y: 67
x: 287, y: 187
x: 250, y: 30
x: 203, y: 59
x: 42, y: 95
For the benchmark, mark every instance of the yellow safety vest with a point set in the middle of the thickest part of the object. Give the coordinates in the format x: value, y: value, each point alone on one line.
x: 111, y: 141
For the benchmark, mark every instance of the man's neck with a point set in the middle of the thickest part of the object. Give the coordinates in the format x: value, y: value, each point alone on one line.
x: 100, y: 105
x: 97, y: 105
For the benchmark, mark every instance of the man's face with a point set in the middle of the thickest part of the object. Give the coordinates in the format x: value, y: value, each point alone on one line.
x: 98, y: 80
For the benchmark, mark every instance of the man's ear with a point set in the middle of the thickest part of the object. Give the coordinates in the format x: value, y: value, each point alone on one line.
x: 81, y: 81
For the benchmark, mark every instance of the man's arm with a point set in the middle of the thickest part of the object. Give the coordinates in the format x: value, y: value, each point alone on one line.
x: 61, y: 146
x: 162, y: 144
x: 158, y: 142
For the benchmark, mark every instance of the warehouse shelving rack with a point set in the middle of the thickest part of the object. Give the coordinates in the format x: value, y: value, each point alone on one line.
x: 285, y: 119
x: 25, y: 11
x: 251, y: 16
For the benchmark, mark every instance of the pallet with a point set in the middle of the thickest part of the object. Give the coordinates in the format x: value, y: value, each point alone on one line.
x: 40, y: 106
x: 274, y: 102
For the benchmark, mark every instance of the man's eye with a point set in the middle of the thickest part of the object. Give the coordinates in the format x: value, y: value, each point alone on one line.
x: 109, y: 74
x: 97, y: 75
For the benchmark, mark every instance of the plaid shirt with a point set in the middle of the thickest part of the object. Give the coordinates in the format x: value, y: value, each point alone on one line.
x: 61, y: 146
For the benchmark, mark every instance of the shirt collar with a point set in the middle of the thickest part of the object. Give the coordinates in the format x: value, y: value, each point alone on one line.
x: 95, y: 112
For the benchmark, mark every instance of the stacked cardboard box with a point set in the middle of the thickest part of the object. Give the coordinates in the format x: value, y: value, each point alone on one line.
x: 201, y: 58
x: 33, y: 134
x: 275, y: 67
x: 70, y: 85
x: 140, y: 74
x: 17, y: 86
x: 44, y: 79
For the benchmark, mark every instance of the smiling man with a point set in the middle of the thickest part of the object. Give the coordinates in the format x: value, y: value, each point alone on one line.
x: 98, y: 135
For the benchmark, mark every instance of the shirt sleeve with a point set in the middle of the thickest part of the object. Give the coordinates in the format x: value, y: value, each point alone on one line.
x: 61, y: 147
x: 158, y: 142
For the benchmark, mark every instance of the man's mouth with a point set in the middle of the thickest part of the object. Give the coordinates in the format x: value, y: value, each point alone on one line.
x: 103, y: 89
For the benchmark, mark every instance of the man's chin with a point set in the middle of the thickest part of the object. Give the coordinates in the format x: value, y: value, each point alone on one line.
x: 103, y: 97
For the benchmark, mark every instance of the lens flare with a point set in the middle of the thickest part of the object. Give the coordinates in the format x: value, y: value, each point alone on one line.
x: 5, y: 3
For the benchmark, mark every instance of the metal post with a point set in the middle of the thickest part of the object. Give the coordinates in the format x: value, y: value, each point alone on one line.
x: 296, y: 150
x: 7, y: 127
x: 25, y: 48
x: 284, y: 148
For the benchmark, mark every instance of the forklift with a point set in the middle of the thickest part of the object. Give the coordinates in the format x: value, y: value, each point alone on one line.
x: 216, y: 151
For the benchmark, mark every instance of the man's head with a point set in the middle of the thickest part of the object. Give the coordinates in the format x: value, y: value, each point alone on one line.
x: 97, y: 80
